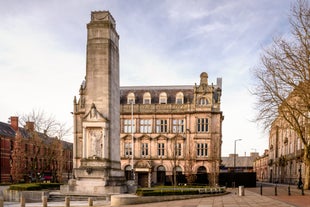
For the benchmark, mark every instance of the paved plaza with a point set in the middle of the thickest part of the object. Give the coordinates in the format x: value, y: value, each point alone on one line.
x: 252, y: 197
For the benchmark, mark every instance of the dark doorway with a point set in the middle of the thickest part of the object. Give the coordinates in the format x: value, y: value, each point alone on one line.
x: 161, y: 175
x: 202, y: 176
x: 128, y: 172
x: 143, y: 179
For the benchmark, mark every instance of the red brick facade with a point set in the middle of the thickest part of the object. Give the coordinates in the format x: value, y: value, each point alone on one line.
x: 50, y: 159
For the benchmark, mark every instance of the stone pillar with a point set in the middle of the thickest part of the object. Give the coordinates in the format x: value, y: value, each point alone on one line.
x: 150, y: 179
x: 1, y: 201
x: 67, y: 201
x: 22, y: 201
x: 98, y: 170
x: 90, y: 201
x: 84, y: 143
x: 44, y: 200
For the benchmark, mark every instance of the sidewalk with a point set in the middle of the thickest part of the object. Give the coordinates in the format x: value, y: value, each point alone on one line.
x: 231, y: 200
x: 295, y: 199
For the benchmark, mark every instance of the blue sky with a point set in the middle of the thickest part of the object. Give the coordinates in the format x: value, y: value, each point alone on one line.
x: 42, y: 53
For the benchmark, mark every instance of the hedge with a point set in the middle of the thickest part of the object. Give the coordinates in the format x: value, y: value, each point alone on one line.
x: 177, y: 191
x: 34, y: 186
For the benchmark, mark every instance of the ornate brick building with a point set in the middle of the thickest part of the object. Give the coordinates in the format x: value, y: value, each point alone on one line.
x: 174, y: 130
x: 35, y: 157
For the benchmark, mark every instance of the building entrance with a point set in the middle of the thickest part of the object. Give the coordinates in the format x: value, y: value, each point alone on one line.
x: 143, y: 179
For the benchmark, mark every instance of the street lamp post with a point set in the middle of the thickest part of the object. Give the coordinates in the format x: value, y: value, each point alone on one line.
x: 132, y: 144
x: 300, y: 184
x: 235, y: 153
x: 234, y: 168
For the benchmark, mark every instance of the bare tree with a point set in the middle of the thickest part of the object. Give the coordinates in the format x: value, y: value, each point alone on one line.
x: 283, y: 84
x: 190, y: 161
x: 45, y: 146
x: 46, y: 124
x: 55, y: 159
x: 35, y: 143
x: 18, y: 161
x: 174, y: 158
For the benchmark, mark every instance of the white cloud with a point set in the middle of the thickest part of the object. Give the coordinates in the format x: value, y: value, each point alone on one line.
x: 42, y: 53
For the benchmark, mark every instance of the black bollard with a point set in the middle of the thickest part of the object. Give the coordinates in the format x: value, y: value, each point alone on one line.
x: 302, y: 190
x: 289, y: 190
x: 275, y: 190
x: 261, y: 189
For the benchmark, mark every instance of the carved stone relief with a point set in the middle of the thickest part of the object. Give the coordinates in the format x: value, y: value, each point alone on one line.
x: 95, y: 136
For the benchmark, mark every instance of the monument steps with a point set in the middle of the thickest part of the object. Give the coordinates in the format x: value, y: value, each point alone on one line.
x: 57, y: 197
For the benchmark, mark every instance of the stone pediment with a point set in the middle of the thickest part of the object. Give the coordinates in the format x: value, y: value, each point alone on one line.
x: 127, y: 136
x: 161, y: 137
x: 145, y: 136
x: 178, y: 136
x: 94, y: 115
x: 143, y: 164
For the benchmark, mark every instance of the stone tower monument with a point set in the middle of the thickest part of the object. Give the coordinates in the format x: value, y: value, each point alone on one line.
x: 96, y: 155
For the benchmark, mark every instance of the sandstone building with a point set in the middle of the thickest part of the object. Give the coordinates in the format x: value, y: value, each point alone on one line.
x: 285, y: 154
x: 156, y: 135
x: 174, y: 130
x: 284, y: 161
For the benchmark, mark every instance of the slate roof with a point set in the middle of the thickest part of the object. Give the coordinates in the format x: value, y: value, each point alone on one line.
x: 6, y: 130
x: 187, y: 90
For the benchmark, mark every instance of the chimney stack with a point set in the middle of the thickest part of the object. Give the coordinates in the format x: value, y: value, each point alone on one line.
x: 30, y: 126
x: 14, y: 122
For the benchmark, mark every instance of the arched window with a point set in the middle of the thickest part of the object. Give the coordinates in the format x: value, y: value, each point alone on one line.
x: 131, y: 98
x: 201, y: 169
x: 146, y: 98
x: 179, y: 175
x: 128, y: 172
x: 179, y: 98
x: 163, y: 98
x: 178, y: 169
x: 203, y: 101
x: 161, y: 175
x: 202, y: 176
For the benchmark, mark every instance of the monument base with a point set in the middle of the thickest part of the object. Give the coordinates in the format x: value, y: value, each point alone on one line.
x: 97, y: 178
x: 91, y: 187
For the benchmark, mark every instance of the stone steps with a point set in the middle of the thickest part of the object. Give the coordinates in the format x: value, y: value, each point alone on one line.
x: 57, y: 197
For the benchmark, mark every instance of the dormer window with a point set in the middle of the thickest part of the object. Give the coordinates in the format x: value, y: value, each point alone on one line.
x: 131, y: 98
x: 179, y: 98
x: 163, y: 98
x: 147, y: 98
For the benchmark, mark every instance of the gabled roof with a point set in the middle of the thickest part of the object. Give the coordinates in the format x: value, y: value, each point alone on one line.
x: 6, y: 130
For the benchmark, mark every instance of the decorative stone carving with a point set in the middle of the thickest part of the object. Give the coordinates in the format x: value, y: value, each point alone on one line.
x: 95, y: 137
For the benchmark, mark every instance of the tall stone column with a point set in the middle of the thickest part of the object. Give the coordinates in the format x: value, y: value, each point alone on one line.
x: 97, y: 114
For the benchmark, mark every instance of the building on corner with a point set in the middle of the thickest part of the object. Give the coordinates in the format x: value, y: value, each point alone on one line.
x: 175, y: 133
